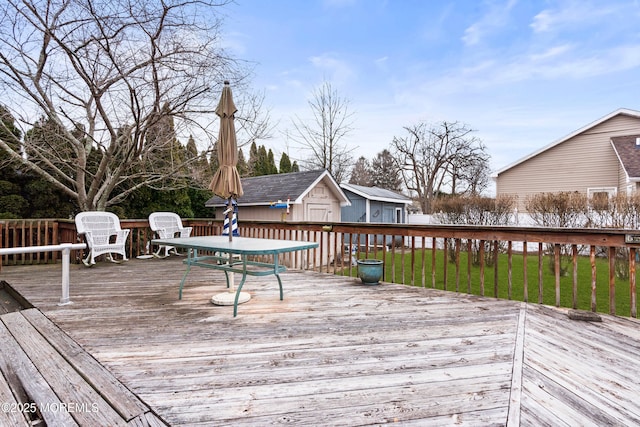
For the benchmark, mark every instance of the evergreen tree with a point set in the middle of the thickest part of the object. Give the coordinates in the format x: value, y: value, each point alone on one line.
x: 261, y: 166
x: 214, y: 163
x: 361, y: 173
x: 46, y: 200
x: 198, y: 198
x: 200, y: 172
x: 385, y: 172
x: 168, y: 153
x: 170, y: 193
x: 44, y: 142
x: 8, y: 132
x: 285, y: 163
x: 243, y: 167
x: 12, y: 203
x: 253, y: 159
x: 192, y: 150
x: 271, y: 164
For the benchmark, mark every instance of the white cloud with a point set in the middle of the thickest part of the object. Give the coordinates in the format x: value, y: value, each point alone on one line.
x: 575, y: 13
x: 495, y: 19
x: 236, y: 42
x: 551, y: 53
x: 382, y: 63
x: 335, y: 70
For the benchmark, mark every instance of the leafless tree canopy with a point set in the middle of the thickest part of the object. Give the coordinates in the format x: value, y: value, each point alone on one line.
x: 440, y: 158
x: 322, y: 136
x: 106, y: 74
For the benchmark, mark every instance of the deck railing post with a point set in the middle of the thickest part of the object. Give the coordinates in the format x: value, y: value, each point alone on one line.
x: 65, y: 248
x: 66, y: 257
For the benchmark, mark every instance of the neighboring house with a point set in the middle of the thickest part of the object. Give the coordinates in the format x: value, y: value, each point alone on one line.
x: 373, y: 204
x: 602, y: 158
x: 296, y: 196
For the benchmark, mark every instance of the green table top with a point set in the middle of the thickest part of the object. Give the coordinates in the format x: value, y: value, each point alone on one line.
x: 239, y: 245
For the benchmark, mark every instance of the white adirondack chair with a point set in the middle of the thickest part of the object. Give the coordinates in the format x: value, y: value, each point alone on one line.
x: 103, y: 235
x: 167, y: 225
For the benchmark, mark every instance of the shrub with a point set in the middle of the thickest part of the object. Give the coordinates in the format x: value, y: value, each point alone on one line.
x: 619, y: 211
x: 475, y: 210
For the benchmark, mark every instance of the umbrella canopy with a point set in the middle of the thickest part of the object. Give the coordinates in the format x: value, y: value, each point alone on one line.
x: 226, y: 181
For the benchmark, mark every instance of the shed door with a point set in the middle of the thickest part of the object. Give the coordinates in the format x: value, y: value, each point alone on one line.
x: 388, y: 215
x: 317, y: 212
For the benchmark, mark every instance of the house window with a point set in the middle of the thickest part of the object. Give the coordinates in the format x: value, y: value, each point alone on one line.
x: 398, y: 216
x: 599, y: 197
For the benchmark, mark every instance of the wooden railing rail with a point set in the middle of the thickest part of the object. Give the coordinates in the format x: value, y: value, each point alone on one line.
x: 500, y: 261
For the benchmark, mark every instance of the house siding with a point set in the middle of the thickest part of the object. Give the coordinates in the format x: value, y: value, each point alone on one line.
x: 320, y: 204
x: 623, y: 181
x: 379, y: 211
x: 357, y: 212
x: 586, y: 160
x: 320, y: 201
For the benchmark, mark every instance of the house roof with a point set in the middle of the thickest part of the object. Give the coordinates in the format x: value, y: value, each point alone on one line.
x: 627, y: 149
x: 267, y: 189
x: 620, y: 111
x: 377, y: 193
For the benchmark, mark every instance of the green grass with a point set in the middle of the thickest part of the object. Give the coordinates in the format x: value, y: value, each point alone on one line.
x: 393, y: 273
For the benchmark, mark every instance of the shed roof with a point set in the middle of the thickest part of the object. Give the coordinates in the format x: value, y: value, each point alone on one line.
x: 267, y: 189
x: 628, y: 151
x: 377, y: 193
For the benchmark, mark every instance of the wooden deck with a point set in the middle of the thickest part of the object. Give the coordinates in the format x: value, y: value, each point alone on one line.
x: 336, y: 352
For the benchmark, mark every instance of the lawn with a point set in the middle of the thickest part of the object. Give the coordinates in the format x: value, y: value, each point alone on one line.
x: 394, y: 271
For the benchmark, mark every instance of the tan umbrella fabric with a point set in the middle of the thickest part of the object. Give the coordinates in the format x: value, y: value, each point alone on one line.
x: 226, y: 181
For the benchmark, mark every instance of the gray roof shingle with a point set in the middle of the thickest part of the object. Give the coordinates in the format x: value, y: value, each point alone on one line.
x: 377, y: 193
x: 629, y: 154
x: 266, y: 189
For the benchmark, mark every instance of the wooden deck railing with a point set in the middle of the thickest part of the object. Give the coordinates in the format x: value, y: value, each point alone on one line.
x: 508, y: 262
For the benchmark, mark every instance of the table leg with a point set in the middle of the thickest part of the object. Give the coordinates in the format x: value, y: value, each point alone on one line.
x: 184, y: 277
x: 244, y: 277
x: 275, y: 272
x: 226, y: 275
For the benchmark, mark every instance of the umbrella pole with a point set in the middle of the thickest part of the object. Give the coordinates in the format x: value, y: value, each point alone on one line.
x: 230, y: 222
x: 230, y: 219
x: 228, y: 298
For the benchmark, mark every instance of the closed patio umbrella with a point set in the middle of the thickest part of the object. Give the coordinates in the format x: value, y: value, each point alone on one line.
x: 226, y: 181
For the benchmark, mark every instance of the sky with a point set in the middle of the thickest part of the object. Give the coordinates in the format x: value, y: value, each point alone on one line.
x: 521, y: 74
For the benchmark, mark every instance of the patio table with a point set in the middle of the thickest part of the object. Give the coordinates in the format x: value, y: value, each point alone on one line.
x: 219, y: 253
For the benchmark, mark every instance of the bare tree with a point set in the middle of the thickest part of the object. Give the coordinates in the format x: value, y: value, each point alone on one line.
x: 322, y: 136
x: 105, y: 74
x: 253, y: 120
x: 434, y: 158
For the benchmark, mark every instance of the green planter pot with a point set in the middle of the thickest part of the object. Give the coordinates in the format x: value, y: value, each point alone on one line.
x: 370, y: 271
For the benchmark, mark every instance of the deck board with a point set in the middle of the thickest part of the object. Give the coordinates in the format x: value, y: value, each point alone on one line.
x: 337, y: 352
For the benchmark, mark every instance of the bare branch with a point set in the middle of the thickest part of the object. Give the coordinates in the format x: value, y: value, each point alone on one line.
x: 322, y: 137
x: 439, y: 158
x: 101, y: 73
